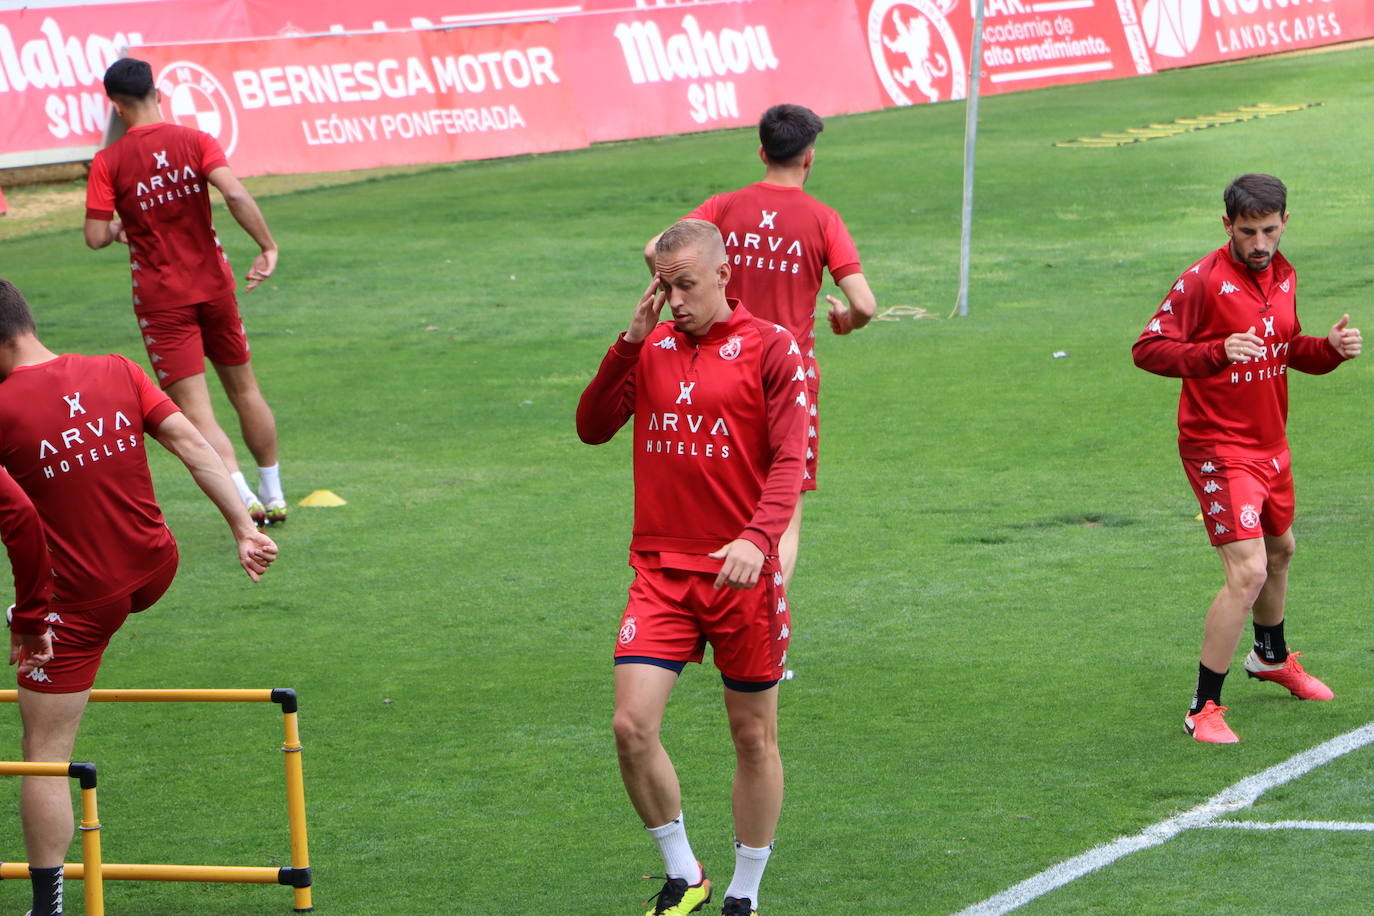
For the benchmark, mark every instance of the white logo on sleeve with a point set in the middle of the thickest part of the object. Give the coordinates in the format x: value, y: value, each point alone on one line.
x: 1168, y: 306
x: 767, y: 221
x: 1155, y: 326
x: 73, y: 404
x: 684, y: 395
x: 1208, y: 468
x: 1212, y: 487
x: 1178, y: 287
x: 801, y: 398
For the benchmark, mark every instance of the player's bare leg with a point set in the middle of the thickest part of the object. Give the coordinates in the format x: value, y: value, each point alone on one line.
x: 757, y: 798
x: 790, y: 543
x: 192, y: 395
x: 256, y: 422
x: 50, y: 724
x: 641, y: 696
x: 1278, y: 554
x: 1245, y: 563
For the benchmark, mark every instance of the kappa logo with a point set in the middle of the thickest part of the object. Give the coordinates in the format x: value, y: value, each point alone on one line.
x: 915, y: 52
x: 1227, y: 287
x: 53, y: 617
x: 667, y: 343
x: 1212, y: 487
x: 1249, y: 516
x: 162, y: 374
x: 1221, y: 529
x: 1172, y: 27
x: 777, y: 578
x: 148, y: 340
x: 1215, y: 508
x: 785, y: 632
x: 196, y: 99
x: 731, y: 348
x: 627, y: 631
x: 800, y: 376
x: 1168, y: 306
x: 782, y: 606
x: 767, y: 221
x: 1178, y: 287
x: 801, y: 402
x: 1155, y: 326
x: 1208, y: 468
x: 38, y: 675
x: 811, y: 373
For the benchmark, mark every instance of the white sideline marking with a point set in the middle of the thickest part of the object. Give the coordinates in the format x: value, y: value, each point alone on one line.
x: 1241, y: 795
x: 1292, y: 825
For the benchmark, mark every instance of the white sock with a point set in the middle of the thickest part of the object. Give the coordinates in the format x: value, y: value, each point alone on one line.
x: 245, y: 493
x: 749, y: 866
x: 678, y: 861
x: 269, y: 482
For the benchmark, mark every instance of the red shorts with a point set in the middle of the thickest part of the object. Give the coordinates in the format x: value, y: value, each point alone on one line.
x: 673, y: 613
x: 1243, y: 498
x: 179, y: 339
x: 808, y: 482
x: 79, y: 638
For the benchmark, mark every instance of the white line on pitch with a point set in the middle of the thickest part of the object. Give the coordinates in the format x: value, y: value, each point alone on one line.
x: 1234, y: 798
x: 1292, y: 825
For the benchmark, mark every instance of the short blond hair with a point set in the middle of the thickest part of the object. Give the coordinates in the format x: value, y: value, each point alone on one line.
x: 694, y: 233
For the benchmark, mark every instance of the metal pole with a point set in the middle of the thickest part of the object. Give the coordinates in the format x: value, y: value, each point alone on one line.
x: 970, y: 144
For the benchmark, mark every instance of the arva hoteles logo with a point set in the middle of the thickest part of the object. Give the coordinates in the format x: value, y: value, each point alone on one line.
x: 192, y: 97
x: 915, y: 53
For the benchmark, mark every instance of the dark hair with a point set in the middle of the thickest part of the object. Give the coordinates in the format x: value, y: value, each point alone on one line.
x: 129, y: 78
x: 787, y: 131
x: 15, y: 316
x: 1255, y: 194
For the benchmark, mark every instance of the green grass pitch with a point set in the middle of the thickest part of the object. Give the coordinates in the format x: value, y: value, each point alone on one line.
x: 1001, y: 588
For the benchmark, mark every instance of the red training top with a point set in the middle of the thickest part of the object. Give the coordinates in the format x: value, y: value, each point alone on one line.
x: 155, y: 177
x: 71, y: 434
x: 719, y: 435
x: 28, y: 549
x: 1227, y: 409
x: 778, y: 239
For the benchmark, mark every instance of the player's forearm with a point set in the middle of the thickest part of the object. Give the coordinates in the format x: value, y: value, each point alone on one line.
x: 210, y: 474
x: 1179, y: 359
x: 608, y: 400
x: 863, y: 305
x: 248, y: 215
x: 98, y: 234
x: 1313, y: 355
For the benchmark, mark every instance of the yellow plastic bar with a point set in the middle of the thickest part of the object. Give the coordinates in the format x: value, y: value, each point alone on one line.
x: 230, y: 874
x: 21, y: 768
x: 90, y: 830
x: 295, y: 806
x: 165, y: 696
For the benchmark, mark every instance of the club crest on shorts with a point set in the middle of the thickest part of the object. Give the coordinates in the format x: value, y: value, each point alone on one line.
x: 730, y: 349
x: 627, y: 631
x: 1249, y: 516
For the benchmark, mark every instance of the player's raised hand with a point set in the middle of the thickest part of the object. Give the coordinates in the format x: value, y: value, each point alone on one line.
x: 1344, y: 339
x: 256, y: 553
x: 30, y: 650
x: 647, y: 311
x: 840, y: 321
x: 743, y: 562
x: 262, y: 268
x: 1244, y: 346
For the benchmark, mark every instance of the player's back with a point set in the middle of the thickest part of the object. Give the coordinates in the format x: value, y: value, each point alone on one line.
x: 72, y: 433
x: 778, y: 240
x: 157, y: 174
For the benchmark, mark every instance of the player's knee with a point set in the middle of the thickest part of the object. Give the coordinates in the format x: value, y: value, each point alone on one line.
x: 1278, y: 558
x: 633, y: 736
x: 755, y: 740
x: 1246, y: 579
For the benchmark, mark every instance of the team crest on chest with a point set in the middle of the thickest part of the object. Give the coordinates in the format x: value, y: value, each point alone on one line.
x: 731, y: 348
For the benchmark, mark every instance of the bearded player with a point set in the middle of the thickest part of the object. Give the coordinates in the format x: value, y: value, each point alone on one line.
x: 1229, y: 328
x: 719, y: 403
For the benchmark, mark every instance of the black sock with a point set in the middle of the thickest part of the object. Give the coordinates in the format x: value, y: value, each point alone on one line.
x: 1208, y: 687
x: 47, y: 890
x: 1269, y: 644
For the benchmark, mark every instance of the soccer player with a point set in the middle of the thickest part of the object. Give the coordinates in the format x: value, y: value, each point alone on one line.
x: 1229, y: 328
x: 719, y: 403
x: 779, y: 239
x: 157, y: 177
x: 72, y: 434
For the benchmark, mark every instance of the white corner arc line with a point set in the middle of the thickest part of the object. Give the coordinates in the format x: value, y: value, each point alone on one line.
x: 1292, y: 825
x: 1234, y: 798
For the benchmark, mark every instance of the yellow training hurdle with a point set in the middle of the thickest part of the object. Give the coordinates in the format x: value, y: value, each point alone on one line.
x: 90, y: 823
x: 93, y: 871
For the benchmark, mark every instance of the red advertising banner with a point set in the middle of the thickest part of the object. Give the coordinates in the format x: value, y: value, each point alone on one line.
x: 694, y: 67
x: 1182, y: 33
x: 52, y: 59
x: 333, y: 103
x: 919, y: 48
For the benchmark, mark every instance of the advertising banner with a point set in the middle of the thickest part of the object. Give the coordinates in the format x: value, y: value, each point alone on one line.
x: 52, y: 59
x: 699, y: 67
x: 1183, y: 33
x: 332, y: 103
x: 919, y: 48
